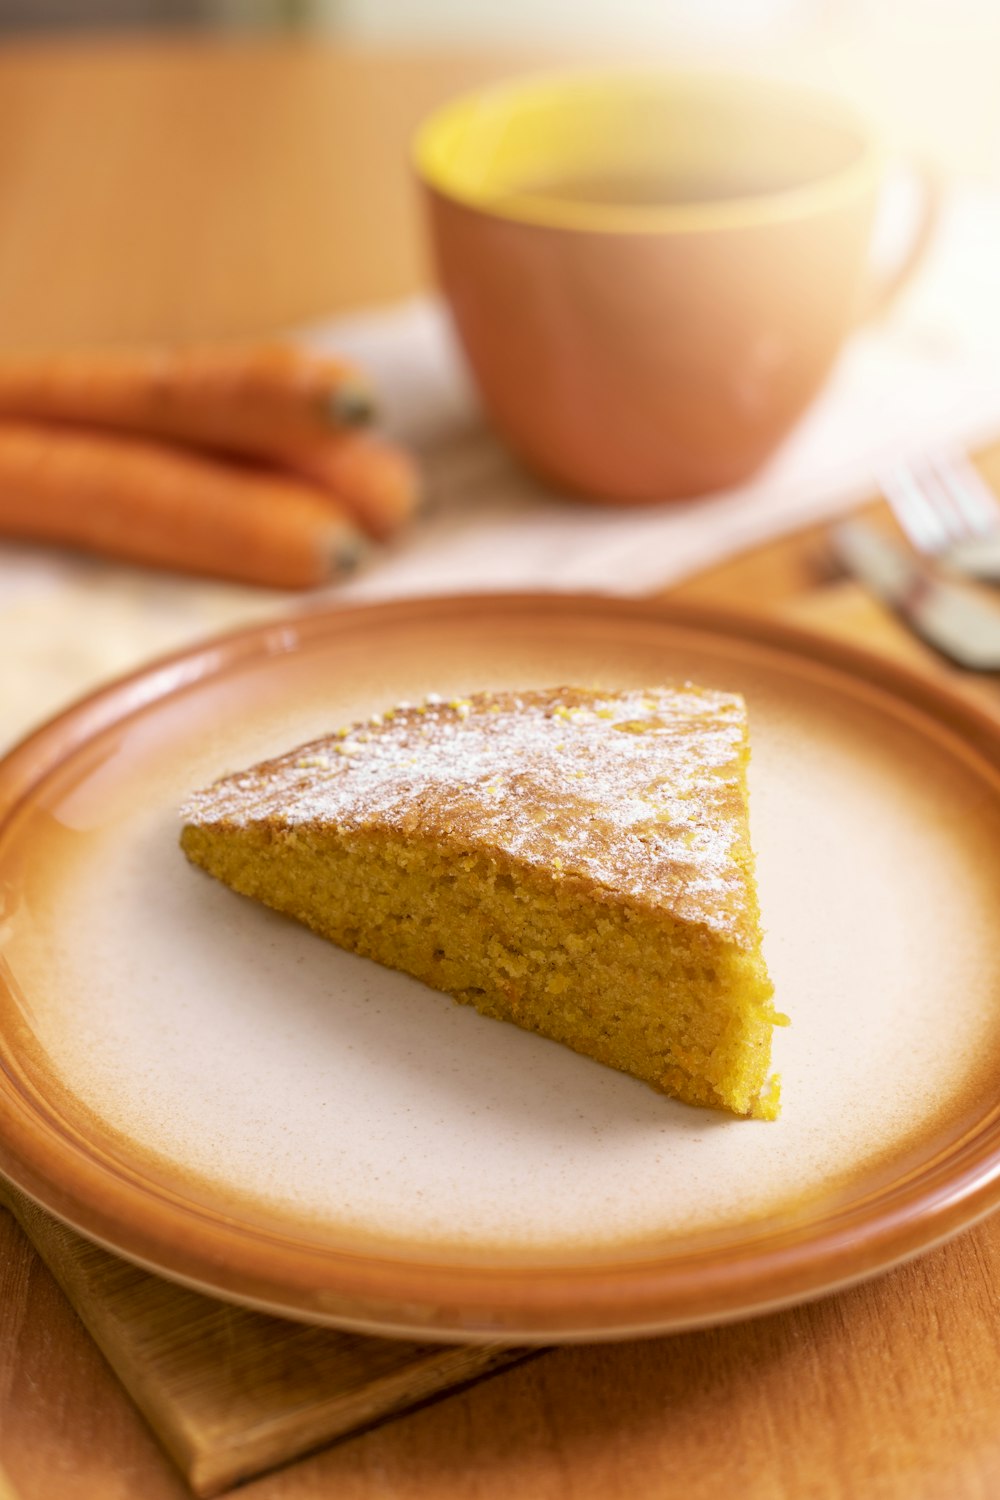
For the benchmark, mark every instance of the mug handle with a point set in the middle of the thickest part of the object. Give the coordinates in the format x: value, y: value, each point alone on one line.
x: 886, y: 286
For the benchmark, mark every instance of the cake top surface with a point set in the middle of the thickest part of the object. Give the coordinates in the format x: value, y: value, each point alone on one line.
x: 641, y: 792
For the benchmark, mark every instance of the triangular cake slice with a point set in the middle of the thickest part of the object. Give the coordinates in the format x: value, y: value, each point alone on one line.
x: 577, y: 862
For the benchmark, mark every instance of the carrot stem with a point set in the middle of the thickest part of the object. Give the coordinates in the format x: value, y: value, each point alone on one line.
x: 261, y: 401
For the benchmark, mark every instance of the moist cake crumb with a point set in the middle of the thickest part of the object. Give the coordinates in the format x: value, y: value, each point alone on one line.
x: 575, y: 861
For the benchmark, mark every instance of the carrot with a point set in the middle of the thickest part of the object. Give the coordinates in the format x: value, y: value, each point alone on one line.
x: 261, y: 401
x: 161, y: 506
x: 376, y: 481
x: 271, y: 403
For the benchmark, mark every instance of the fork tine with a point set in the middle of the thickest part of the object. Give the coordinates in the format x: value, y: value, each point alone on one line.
x: 914, y: 510
x: 938, y: 493
x: 972, y: 497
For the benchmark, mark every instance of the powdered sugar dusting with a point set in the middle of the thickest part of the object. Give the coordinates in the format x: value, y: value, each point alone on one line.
x: 638, y: 791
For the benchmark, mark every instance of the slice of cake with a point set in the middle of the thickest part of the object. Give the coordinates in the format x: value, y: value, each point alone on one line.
x: 577, y: 862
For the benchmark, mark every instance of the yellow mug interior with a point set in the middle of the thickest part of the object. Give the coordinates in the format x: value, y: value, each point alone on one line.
x: 629, y: 151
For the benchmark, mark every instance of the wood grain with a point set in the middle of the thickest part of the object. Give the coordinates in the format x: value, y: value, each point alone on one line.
x: 887, y: 1390
x: 192, y: 189
x: 151, y: 192
x: 232, y: 1393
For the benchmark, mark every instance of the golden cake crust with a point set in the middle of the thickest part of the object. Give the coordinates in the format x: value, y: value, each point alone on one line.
x: 637, y: 792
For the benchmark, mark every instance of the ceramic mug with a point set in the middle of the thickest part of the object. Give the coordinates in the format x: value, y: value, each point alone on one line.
x: 651, y: 274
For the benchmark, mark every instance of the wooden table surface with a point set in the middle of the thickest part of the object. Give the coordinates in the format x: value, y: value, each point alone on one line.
x: 180, y: 189
x: 188, y: 188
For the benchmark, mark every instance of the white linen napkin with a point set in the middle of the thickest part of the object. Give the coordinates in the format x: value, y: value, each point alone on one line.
x: 928, y: 375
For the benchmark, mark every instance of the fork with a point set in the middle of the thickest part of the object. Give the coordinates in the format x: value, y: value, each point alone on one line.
x: 948, y: 511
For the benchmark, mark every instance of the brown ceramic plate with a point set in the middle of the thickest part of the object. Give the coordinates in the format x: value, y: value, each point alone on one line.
x: 212, y: 1091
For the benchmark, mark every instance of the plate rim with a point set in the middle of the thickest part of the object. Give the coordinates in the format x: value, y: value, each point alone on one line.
x: 432, y: 1297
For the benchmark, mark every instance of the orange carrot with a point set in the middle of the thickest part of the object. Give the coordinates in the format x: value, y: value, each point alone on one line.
x: 260, y: 401
x: 376, y: 481
x: 161, y: 506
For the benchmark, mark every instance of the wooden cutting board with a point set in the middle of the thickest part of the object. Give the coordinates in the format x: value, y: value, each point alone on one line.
x: 232, y: 1393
